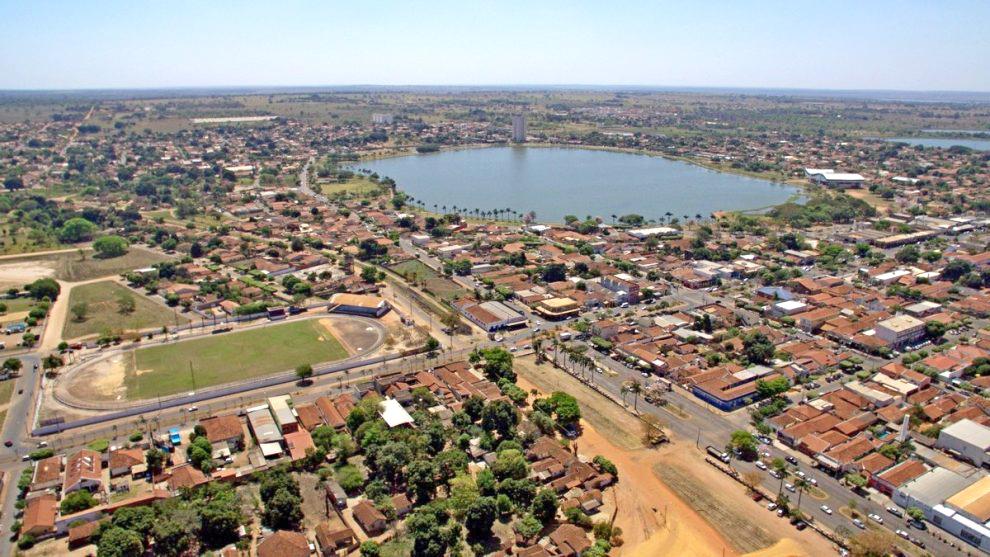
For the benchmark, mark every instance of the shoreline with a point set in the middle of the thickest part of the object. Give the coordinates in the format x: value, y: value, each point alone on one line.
x: 802, y: 186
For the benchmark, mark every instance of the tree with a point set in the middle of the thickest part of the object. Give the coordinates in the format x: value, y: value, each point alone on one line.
x: 13, y: 183
x: 497, y: 363
x: 12, y: 365
x: 137, y: 519
x: 44, y: 288
x: 915, y: 513
x: 304, y: 372
x: 125, y: 303
x: 528, y: 526
x: 370, y: 548
x: 196, y: 250
x: 480, y: 516
x: 171, y: 537
x: 283, y: 510
x: 745, y: 443
x: 544, y: 506
x: 155, y: 459
x: 956, y: 269
x: 605, y: 465
x: 110, y: 246
x: 117, y: 542
x: 79, y: 311
x: 500, y: 416
x: 935, y: 329
x: 421, y: 475
x: 369, y: 275
x: 510, y: 463
x: 908, y: 254
x: 758, y: 349
x: 77, y: 501
x: 76, y: 230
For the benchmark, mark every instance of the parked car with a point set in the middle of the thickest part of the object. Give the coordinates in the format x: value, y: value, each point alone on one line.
x: 859, y: 524
x: 903, y: 534
x: 791, y: 459
x: 876, y: 518
x: 760, y: 465
x: 790, y: 487
x: 895, y: 511
x: 825, y: 509
x: 771, y: 506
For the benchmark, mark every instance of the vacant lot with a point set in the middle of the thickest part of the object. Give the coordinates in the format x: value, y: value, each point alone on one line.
x: 735, y: 526
x: 104, y: 313
x: 358, y: 185
x: 73, y: 268
x: 418, y: 273
x: 164, y: 370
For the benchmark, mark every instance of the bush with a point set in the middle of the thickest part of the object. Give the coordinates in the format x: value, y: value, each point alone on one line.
x: 110, y: 246
x: 39, y: 454
x: 77, y: 501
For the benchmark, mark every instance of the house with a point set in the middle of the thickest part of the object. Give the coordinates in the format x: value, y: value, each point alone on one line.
x: 336, y: 495
x: 224, y: 429
x: 83, y: 470
x: 300, y: 444
x: 47, y: 473
x: 570, y: 540
x: 401, y: 504
x: 39, y: 516
x: 371, y: 520
x: 284, y: 543
x: 394, y: 414
x: 123, y: 460
x: 330, y: 541
x: 185, y: 476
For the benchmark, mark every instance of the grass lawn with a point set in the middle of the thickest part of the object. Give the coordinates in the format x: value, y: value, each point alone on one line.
x: 164, y: 370
x: 15, y: 305
x: 417, y: 272
x: 357, y: 184
x: 104, y: 313
x: 6, y: 389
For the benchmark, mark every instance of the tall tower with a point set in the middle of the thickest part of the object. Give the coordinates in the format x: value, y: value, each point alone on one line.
x: 519, y: 129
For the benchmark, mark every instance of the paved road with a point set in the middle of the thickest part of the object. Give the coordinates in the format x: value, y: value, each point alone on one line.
x: 16, y: 429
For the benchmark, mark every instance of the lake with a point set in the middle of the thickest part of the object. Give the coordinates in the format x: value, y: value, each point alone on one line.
x: 555, y: 182
x: 978, y: 144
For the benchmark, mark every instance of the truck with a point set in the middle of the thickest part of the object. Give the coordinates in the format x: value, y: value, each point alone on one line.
x: 715, y: 453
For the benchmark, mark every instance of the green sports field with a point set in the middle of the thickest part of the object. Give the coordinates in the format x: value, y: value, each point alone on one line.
x: 229, y: 357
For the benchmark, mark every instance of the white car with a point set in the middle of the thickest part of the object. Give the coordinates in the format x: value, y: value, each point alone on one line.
x: 800, y: 473
x: 813, y: 482
x: 903, y: 534
x: 771, y: 506
x: 859, y: 524
x: 760, y: 465
x: 790, y: 488
x: 876, y: 518
x: 825, y: 509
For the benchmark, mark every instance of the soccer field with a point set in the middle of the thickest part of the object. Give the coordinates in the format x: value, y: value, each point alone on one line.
x: 228, y: 357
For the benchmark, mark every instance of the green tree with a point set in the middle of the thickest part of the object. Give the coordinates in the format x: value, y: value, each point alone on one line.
x: 758, y: 349
x: 110, y: 246
x: 171, y: 537
x: 79, y: 311
x: 12, y: 365
x: 44, y: 288
x: 480, y: 517
x: 370, y: 548
x: 76, y: 501
x: 76, y: 230
x: 126, y: 303
x: 118, y: 542
x: 304, y: 372
x: 155, y: 459
x: 744, y: 442
x: 137, y: 519
x: 283, y: 510
x: 544, y: 506
x: 500, y: 416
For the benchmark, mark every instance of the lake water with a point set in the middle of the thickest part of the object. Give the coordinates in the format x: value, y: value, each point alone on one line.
x: 555, y: 182
x: 978, y: 144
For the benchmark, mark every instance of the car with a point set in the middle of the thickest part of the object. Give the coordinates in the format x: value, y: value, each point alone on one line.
x: 790, y: 487
x: 895, y: 511
x: 800, y: 473
x: 801, y: 525
x: 776, y: 474
x: 903, y: 534
x: 8, y: 443
x: 859, y: 524
x: 918, y: 542
x: 644, y: 374
x: 813, y: 482
x: 760, y: 465
x: 513, y: 349
x: 825, y: 509
x: 192, y: 408
x: 536, y: 329
x: 26, y: 458
x: 791, y: 459
x: 780, y: 512
x: 771, y: 506
x: 876, y: 518
x: 42, y: 444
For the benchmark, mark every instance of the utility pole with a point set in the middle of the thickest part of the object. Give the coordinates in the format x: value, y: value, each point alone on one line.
x: 193, y: 375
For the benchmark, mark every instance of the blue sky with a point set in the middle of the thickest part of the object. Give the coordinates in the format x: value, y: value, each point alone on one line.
x: 863, y: 44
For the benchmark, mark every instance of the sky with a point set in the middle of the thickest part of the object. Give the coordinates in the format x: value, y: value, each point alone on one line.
x: 926, y: 45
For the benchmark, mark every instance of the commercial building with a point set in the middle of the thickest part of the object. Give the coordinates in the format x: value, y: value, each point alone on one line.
x: 967, y: 514
x: 729, y: 391
x: 930, y: 490
x: 358, y: 304
x: 491, y: 315
x: 623, y: 285
x: 967, y: 439
x: 832, y: 179
x: 900, y: 330
x: 284, y: 417
x: 519, y: 129
x: 557, y: 308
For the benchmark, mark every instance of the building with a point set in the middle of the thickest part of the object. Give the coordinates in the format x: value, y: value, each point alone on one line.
x: 223, y: 429
x: 900, y: 330
x: 930, y: 489
x: 491, y: 315
x: 47, y: 473
x: 728, y: 391
x: 837, y: 180
x: 284, y: 417
x: 966, y: 439
x: 557, y: 308
x: 358, y: 304
x: 83, y: 470
x: 263, y: 426
x: 371, y: 520
x: 519, y: 129
x: 332, y: 541
x: 123, y: 461
x: 622, y: 284
x: 382, y: 119
x: 39, y: 516
x: 394, y: 414
x: 966, y: 514
x: 284, y: 543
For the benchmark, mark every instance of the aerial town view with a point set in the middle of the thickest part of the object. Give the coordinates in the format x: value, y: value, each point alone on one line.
x: 311, y: 279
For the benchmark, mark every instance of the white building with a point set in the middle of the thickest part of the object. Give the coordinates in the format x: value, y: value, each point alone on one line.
x: 519, y: 129
x: 900, y: 330
x: 967, y: 439
x: 382, y: 119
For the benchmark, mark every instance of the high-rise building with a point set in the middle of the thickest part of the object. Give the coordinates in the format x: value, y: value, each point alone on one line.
x: 382, y: 119
x: 519, y: 129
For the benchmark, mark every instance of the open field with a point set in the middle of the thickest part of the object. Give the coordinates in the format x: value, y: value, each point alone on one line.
x: 6, y: 390
x: 357, y: 185
x: 417, y: 272
x: 70, y: 266
x: 165, y: 369
x: 104, y: 313
x: 145, y: 373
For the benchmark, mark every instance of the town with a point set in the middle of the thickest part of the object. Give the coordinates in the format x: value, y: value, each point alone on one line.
x: 225, y: 335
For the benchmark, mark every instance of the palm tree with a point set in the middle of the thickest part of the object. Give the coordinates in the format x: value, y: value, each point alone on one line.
x: 613, y: 219
x: 668, y: 215
x: 635, y: 388
x: 780, y: 466
x: 801, y: 484
x: 622, y: 391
